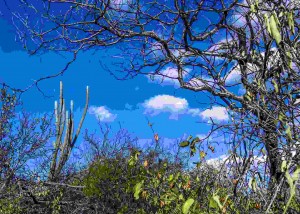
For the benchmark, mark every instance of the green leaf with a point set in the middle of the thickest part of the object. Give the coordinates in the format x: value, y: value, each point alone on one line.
x: 289, y: 59
x: 291, y: 22
x: 252, y: 8
x: 259, y: 83
x: 281, y: 117
x: 180, y: 197
x: 213, y: 203
x: 288, y: 132
x: 275, y: 86
x: 193, y: 151
x: 184, y: 143
x: 131, y: 161
x: 280, y: 14
x: 267, y: 23
x: 177, y: 176
x: 186, y: 206
x: 198, y: 164
x: 196, y: 140
x: 137, y: 154
x: 202, y: 154
x: 274, y: 30
x: 249, y: 96
x: 252, y: 184
x: 137, y: 190
x: 290, y: 181
x: 190, y: 137
x: 283, y: 166
x: 217, y: 200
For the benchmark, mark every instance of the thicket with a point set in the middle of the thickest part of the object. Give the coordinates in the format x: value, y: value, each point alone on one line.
x: 128, y: 179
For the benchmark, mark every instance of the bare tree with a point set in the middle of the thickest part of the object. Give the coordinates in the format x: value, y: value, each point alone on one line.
x: 23, y: 139
x: 260, y: 43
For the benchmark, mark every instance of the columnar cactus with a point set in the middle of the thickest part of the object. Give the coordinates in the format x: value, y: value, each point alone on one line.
x: 63, y: 149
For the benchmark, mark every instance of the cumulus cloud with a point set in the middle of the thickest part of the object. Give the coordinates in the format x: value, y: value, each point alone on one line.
x: 179, y: 106
x: 165, y: 103
x: 102, y: 114
x: 217, y: 113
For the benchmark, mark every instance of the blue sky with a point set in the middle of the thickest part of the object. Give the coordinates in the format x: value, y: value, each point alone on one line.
x: 175, y: 113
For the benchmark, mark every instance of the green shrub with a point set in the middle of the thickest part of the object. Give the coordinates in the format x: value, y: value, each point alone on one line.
x: 10, y: 206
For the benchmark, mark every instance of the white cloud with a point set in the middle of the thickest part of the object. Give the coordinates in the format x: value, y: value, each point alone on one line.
x: 166, y: 103
x: 217, y: 112
x: 168, y: 76
x: 102, y: 114
x: 234, y: 76
x: 217, y: 162
x: 179, y: 106
x: 194, y: 111
x: 120, y: 4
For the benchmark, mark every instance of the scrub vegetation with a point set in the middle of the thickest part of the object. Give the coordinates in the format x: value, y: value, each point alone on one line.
x: 260, y: 174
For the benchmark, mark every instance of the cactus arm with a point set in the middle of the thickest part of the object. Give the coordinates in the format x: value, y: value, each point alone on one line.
x: 72, y: 121
x: 59, y: 130
x: 82, y: 118
x: 66, y: 146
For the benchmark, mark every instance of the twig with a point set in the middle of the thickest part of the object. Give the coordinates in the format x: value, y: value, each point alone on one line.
x: 274, y: 196
x: 62, y: 184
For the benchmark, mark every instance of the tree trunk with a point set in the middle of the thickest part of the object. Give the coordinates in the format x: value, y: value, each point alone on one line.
x: 271, y: 144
